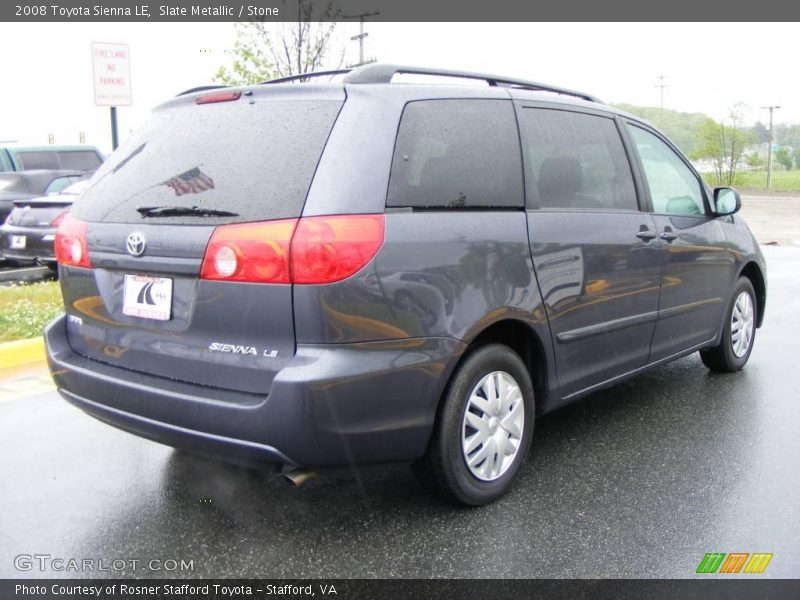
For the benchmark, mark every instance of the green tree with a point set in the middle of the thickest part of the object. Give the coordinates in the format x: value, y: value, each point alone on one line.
x: 754, y: 160
x: 761, y: 132
x: 787, y: 135
x: 782, y: 156
x: 265, y: 51
x: 797, y: 159
x: 724, y: 143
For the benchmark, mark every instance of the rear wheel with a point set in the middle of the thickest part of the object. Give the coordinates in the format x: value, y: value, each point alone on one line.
x: 738, y: 333
x: 483, y: 429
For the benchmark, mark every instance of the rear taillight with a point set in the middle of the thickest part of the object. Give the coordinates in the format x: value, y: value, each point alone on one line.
x: 328, y: 249
x: 254, y: 252
x: 71, y: 246
x: 57, y: 221
x: 310, y: 250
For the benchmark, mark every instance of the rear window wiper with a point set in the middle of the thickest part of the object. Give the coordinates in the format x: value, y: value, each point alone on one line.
x: 178, y: 211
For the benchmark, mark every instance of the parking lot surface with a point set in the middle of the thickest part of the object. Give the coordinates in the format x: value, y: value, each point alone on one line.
x: 640, y: 480
x: 773, y: 219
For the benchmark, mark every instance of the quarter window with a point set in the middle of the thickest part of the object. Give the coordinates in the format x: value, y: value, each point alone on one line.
x: 575, y: 161
x: 674, y: 188
x: 457, y: 154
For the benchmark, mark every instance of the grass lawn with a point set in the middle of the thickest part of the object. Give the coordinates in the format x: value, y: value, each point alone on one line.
x: 26, y: 308
x: 782, y: 181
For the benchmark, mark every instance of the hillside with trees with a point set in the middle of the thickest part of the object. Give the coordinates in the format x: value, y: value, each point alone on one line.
x: 681, y: 127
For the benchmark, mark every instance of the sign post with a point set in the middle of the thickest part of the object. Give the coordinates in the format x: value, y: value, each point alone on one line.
x: 111, y: 70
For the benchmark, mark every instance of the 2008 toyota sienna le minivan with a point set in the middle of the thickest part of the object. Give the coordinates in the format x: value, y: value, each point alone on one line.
x: 323, y: 274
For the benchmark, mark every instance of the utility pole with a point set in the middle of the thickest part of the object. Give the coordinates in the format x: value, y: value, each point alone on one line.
x: 361, y: 36
x: 769, y: 151
x: 661, y: 85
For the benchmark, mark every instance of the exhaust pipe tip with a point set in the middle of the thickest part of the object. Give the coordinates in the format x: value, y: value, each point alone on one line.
x: 298, y: 477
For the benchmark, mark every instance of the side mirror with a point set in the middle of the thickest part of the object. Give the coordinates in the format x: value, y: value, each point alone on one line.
x: 726, y: 201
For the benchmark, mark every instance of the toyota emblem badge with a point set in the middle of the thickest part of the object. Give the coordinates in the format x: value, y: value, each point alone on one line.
x: 135, y: 244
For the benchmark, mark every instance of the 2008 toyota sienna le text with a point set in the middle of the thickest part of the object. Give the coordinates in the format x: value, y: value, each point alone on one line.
x: 323, y: 274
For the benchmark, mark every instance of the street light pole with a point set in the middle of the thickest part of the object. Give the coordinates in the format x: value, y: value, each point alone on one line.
x: 769, y: 151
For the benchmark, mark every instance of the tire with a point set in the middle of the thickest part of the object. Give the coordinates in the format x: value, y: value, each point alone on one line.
x: 731, y: 355
x: 444, y: 468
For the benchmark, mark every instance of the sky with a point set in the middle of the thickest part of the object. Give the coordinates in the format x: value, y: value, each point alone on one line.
x: 706, y: 67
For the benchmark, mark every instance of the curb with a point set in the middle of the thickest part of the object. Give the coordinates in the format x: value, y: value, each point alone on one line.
x: 21, y: 352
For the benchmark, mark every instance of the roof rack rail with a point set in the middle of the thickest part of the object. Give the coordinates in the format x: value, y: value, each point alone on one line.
x: 306, y: 76
x: 380, y: 73
x: 202, y: 88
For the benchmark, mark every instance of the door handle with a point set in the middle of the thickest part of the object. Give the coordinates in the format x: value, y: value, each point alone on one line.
x: 646, y: 235
x: 669, y: 236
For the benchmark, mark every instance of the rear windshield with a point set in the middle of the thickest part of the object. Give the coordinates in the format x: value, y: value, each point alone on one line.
x: 255, y: 158
x: 78, y: 160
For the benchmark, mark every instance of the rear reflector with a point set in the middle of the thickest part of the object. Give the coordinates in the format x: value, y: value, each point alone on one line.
x: 71, y: 245
x: 311, y: 250
x: 219, y: 97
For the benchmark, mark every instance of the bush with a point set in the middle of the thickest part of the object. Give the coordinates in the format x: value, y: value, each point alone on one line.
x: 784, y: 158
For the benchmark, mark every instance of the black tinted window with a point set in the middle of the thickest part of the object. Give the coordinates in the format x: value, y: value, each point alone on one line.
x: 80, y: 160
x: 457, y: 154
x: 575, y: 160
x: 38, y: 160
x: 254, y: 159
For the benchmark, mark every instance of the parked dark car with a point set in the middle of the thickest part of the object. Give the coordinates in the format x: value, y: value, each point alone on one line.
x: 24, y: 185
x: 24, y: 158
x: 28, y: 234
x: 319, y: 275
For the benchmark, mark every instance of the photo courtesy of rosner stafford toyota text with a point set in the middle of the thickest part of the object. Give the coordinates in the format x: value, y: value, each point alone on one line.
x: 371, y: 299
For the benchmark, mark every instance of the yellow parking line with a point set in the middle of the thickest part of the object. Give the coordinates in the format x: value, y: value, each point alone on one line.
x: 25, y: 388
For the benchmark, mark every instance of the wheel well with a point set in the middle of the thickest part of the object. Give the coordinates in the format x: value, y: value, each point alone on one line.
x: 521, y: 339
x: 753, y: 273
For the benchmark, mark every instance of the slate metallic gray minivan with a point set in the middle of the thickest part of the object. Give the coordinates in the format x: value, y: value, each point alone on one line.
x: 314, y: 275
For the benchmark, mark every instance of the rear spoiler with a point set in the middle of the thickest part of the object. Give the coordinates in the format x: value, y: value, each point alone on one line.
x: 43, y: 201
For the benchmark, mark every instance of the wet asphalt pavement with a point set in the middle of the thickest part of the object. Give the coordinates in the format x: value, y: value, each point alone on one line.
x: 640, y: 480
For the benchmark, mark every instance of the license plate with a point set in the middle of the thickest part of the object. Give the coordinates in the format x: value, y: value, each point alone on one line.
x: 17, y: 242
x: 147, y: 297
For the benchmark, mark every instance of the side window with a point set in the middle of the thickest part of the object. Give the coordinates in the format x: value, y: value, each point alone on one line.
x: 575, y: 160
x: 674, y: 188
x: 457, y: 154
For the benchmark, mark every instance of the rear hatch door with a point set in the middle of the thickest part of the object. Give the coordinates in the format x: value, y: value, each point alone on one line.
x: 143, y: 305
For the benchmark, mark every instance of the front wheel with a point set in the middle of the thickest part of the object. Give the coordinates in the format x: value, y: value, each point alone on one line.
x: 738, y: 333
x: 483, y: 429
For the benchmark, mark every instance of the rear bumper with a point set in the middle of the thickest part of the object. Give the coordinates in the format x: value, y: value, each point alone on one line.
x: 39, y: 244
x: 331, y: 406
